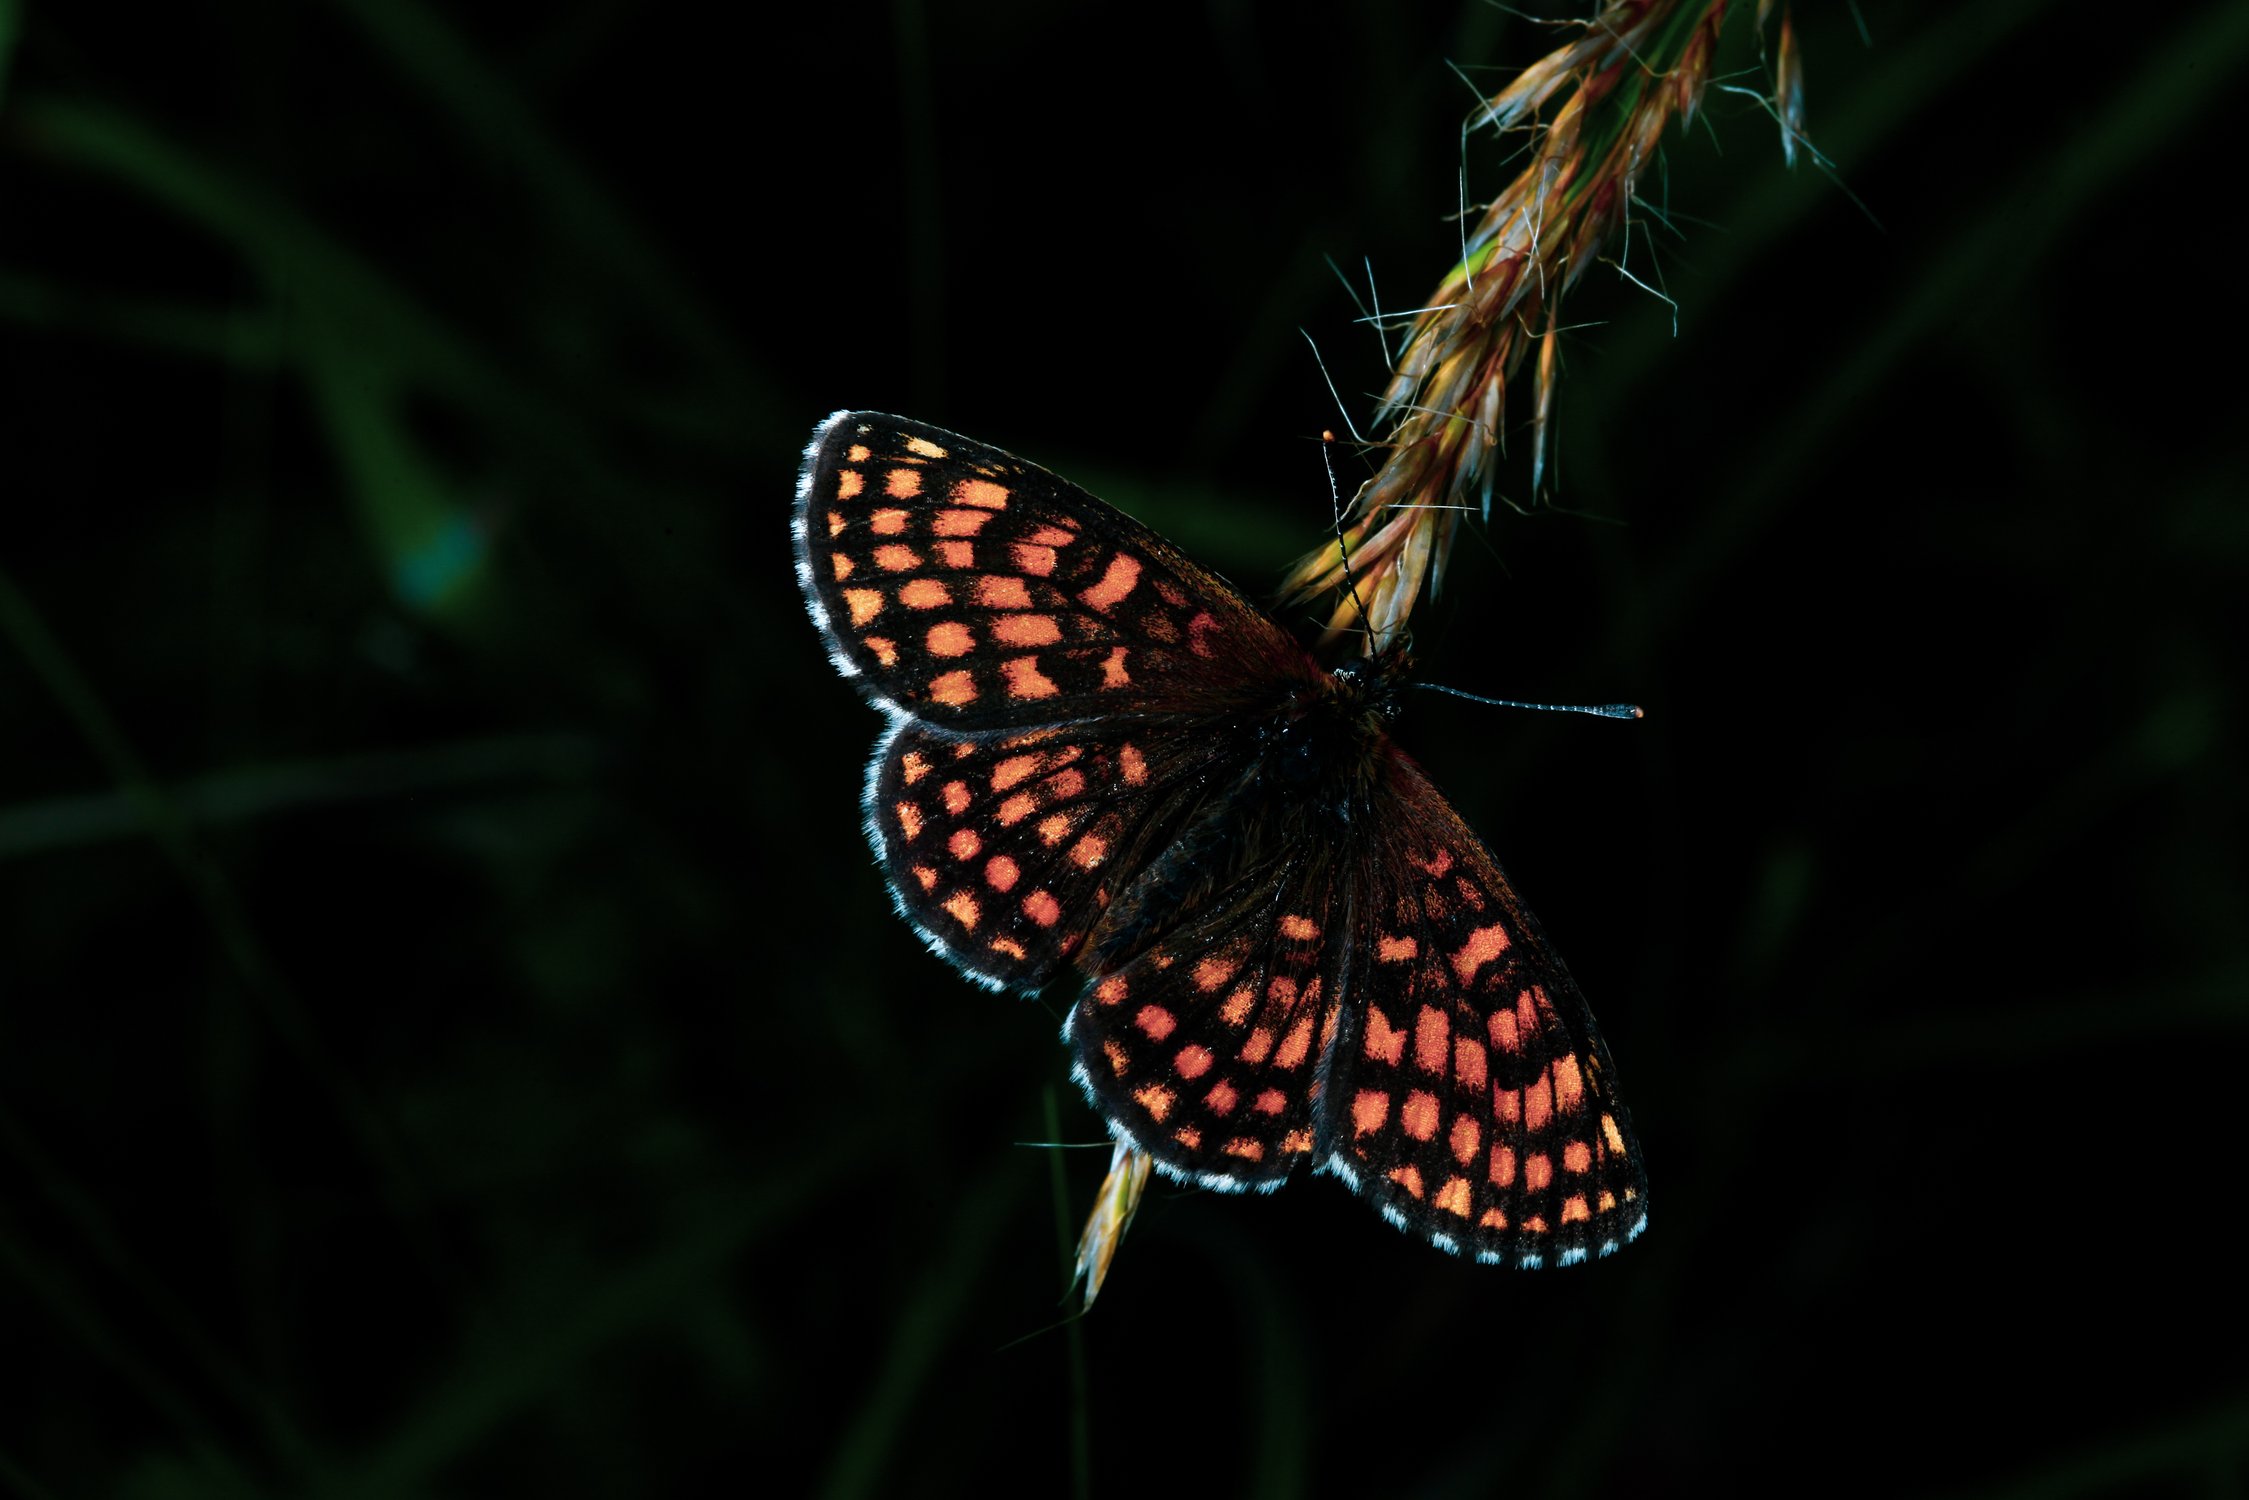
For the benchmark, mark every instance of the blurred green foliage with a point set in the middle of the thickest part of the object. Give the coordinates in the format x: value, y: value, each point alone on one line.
x: 452, y: 1037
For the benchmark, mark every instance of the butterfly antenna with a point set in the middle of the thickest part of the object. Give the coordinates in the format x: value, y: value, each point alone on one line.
x: 1603, y: 710
x: 1335, y: 512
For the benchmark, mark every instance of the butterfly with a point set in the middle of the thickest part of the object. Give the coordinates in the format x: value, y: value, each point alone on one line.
x: 1102, y: 758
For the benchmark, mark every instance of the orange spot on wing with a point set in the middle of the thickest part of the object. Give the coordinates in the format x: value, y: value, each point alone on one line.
x: 1384, y: 1040
x: 1002, y: 873
x: 925, y: 877
x: 1538, y: 1171
x: 1436, y: 864
x: 1052, y: 536
x: 949, y: 638
x: 842, y: 565
x: 859, y: 453
x: 836, y: 522
x: 1119, y: 1060
x: 964, y: 909
x: 1118, y: 581
x: 1113, y: 673
x: 913, y: 765
x: 1534, y: 1225
x: 1237, y: 1007
x: 1300, y: 929
x: 864, y: 604
x: 1110, y: 990
x: 1430, y: 1033
x: 1212, y: 972
x: 981, y: 492
x: 1569, y: 1085
x: 1270, y: 1102
x: 1395, y: 950
x: 1369, y: 1108
x: 1014, y: 769
x: 1504, y: 1038
x: 1503, y: 1166
x: 886, y: 651
x: 1468, y: 1061
x: 895, y: 558
x: 1296, y: 1045
x: 1419, y: 1114
x: 924, y: 447
x: 849, y: 482
x: 1221, y: 1099
x: 1409, y: 1178
x: 1607, y: 1201
x: 1612, y: 1135
x: 958, y: 522
x: 1577, y: 1156
x: 957, y: 796
x: 1133, y: 763
x: 1155, y: 1099
x: 1258, y: 1047
x: 1200, y: 631
x: 924, y: 593
x: 1574, y: 1209
x: 1042, y: 908
x: 1282, y: 988
x: 1156, y: 1021
x: 1493, y: 1219
x: 1297, y: 1142
x: 957, y: 554
x: 1508, y: 1105
x: 1188, y: 1136
x: 1483, y: 945
x: 889, y: 521
x: 1538, y: 1104
x: 1016, y: 808
x: 1054, y: 828
x: 1245, y: 1148
x: 953, y: 688
x: 1089, y: 851
x: 1024, y: 680
x: 1192, y: 1061
x: 1467, y: 1137
x: 964, y: 843
x: 902, y: 484
x: 1008, y: 946
x: 1454, y: 1197
x: 909, y: 820
x: 1035, y: 560
x: 1063, y: 785
x: 997, y: 591
x: 1026, y: 630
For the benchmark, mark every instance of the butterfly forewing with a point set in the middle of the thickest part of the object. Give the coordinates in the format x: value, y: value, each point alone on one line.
x: 1475, y: 1102
x: 974, y: 590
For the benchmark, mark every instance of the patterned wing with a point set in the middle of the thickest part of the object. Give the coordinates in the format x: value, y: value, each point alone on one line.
x: 973, y: 590
x: 1476, y: 1104
x: 1004, y: 848
x: 1208, y: 1049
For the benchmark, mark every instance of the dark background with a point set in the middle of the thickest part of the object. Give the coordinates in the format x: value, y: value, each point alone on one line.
x: 453, y: 1040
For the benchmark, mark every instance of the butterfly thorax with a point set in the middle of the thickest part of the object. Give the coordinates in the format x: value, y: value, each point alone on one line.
x: 1319, y: 751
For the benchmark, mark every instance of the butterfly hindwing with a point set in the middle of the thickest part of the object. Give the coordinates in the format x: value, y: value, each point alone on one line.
x: 1207, y: 1047
x: 1003, y: 848
x: 1475, y: 1104
x: 973, y: 590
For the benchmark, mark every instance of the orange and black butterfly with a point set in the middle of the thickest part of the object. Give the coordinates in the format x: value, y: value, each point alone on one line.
x: 1102, y: 757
